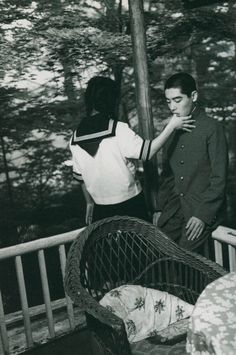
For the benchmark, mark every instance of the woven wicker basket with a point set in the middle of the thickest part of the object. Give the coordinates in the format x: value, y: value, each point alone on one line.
x: 126, y: 250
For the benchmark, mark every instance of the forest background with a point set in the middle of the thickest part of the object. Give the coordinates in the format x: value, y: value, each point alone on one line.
x: 50, y: 49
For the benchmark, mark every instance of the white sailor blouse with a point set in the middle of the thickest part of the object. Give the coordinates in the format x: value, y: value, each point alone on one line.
x: 102, y: 159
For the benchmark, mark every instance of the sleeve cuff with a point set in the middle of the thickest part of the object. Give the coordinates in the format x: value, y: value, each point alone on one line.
x: 145, y: 150
x: 77, y: 177
x: 207, y: 219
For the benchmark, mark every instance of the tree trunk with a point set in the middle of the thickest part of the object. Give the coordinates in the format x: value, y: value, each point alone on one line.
x: 67, y: 64
x: 143, y: 96
x: 6, y: 171
x: 69, y: 87
x: 10, y: 230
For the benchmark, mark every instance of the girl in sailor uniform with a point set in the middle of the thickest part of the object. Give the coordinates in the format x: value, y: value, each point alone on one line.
x: 103, y: 150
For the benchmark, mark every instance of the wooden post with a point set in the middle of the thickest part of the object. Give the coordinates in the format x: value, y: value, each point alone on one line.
x: 143, y: 96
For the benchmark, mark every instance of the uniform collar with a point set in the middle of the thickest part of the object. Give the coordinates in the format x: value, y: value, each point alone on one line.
x: 198, y: 112
x: 92, y: 131
x: 94, y: 128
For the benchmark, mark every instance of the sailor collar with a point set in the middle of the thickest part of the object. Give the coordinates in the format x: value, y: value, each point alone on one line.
x: 94, y: 129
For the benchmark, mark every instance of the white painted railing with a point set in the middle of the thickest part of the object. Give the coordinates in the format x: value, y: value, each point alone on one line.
x: 16, y: 252
x: 223, y: 235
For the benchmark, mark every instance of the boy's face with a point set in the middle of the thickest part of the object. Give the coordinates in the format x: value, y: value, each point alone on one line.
x: 180, y: 104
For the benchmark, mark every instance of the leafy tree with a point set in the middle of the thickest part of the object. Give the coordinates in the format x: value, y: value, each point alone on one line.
x: 50, y: 49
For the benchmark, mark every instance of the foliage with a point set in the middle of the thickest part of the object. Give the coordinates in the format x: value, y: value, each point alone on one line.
x: 49, y: 51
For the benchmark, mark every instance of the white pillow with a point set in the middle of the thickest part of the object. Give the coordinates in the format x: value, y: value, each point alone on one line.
x: 145, y: 311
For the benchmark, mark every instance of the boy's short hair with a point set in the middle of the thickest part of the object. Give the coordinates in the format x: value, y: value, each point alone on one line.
x: 184, y: 81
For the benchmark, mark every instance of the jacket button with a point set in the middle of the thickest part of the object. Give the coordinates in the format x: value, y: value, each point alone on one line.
x: 181, y: 195
x: 213, y: 220
x: 182, y: 146
x: 181, y: 162
x: 181, y: 178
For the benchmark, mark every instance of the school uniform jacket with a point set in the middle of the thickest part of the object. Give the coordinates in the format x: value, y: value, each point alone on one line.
x: 194, y: 172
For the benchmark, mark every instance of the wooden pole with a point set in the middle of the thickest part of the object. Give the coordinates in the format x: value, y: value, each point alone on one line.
x: 140, y: 67
x: 143, y: 96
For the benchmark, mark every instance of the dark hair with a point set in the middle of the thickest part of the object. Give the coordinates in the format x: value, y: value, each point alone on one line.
x: 184, y: 81
x: 102, y: 95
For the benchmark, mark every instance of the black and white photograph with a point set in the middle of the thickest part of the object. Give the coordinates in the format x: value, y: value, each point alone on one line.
x: 117, y: 177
